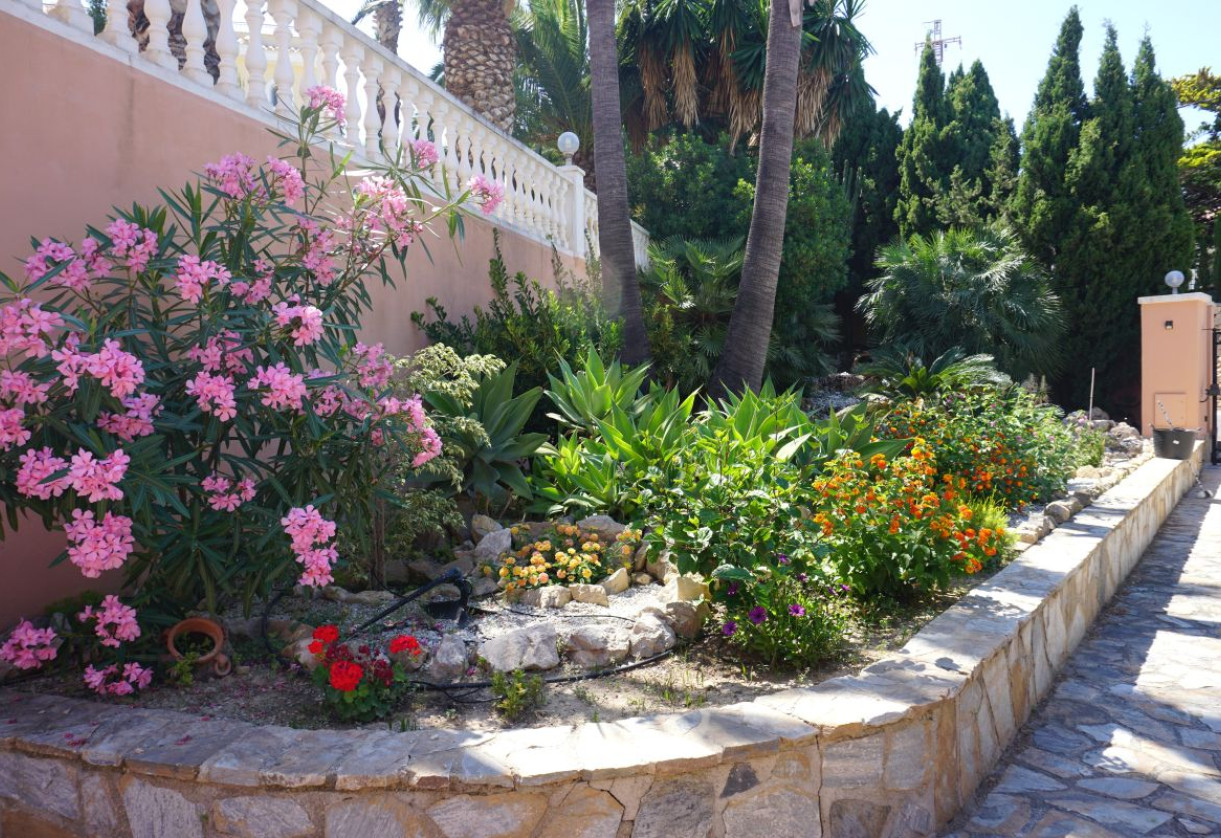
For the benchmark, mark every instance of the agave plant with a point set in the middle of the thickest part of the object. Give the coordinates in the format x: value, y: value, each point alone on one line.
x: 493, y: 446
x: 585, y: 397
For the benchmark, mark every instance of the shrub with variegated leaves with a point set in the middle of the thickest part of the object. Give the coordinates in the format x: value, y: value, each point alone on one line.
x: 183, y: 391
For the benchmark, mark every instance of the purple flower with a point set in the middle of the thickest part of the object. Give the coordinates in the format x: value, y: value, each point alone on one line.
x: 733, y: 588
x: 730, y: 628
x: 803, y: 577
x: 796, y: 610
x: 783, y: 559
x: 757, y: 615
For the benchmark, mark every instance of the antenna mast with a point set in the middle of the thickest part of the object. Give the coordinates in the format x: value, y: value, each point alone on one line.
x: 939, y: 43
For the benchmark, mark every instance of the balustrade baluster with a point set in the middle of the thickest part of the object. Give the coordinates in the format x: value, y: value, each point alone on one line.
x: 72, y: 13
x: 116, y: 32
x: 194, y: 32
x: 373, y: 121
x: 413, y: 118
x: 396, y: 110
x: 226, y: 51
x: 158, y: 13
x: 309, y: 26
x: 465, y: 146
x: 283, y: 12
x: 353, y: 52
x: 330, y: 41
x: 256, y: 56
x: 444, y: 136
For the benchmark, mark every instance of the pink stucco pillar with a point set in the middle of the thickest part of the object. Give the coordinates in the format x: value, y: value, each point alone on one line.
x: 1176, y: 361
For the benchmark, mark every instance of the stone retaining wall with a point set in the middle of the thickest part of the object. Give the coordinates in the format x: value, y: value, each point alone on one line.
x: 893, y: 751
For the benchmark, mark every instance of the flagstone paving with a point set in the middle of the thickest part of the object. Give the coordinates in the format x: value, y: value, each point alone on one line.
x: 1129, y: 742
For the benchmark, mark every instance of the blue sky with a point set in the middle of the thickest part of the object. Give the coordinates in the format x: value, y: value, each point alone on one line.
x: 1013, y: 40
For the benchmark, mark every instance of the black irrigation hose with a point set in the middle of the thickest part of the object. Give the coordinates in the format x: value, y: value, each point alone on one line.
x: 554, y: 616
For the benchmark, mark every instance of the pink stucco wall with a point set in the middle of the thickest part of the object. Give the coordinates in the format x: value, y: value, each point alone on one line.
x: 84, y: 132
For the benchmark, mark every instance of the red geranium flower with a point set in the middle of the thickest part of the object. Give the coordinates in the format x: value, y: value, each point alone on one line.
x: 327, y: 634
x: 345, y: 675
x: 316, y: 647
x: 404, y: 642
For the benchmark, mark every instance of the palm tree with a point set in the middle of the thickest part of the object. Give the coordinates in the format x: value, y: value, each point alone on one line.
x: 750, y: 327
x: 704, y: 61
x: 614, y: 222
x: 962, y: 288
x: 553, y: 77
x: 899, y: 373
x: 478, y: 45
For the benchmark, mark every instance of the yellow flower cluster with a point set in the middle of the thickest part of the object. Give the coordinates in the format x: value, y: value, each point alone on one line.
x: 566, y: 556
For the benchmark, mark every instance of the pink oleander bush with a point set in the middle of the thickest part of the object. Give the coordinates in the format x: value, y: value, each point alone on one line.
x: 182, y: 390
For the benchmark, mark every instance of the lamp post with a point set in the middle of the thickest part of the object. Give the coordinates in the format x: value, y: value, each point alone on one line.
x: 1174, y: 279
x: 568, y: 143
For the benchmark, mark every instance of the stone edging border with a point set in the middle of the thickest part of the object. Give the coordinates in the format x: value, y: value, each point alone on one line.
x: 893, y: 751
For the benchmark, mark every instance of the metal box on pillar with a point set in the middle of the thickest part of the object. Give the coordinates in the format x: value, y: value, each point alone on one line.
x: 1176, y: 362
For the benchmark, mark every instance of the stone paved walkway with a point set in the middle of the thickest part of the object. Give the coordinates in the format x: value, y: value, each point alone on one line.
x: 1129, y: 742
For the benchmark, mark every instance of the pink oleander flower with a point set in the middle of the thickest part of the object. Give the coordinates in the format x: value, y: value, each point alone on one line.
x: 21, y: 388
x: 26, y: 327
x: 133, y: 677
x: 304, y: 322
x: 194, y: 276
x: 373, y: 369
x: 226, y: 496
x: 136, y: 421
x: 235, y: 175
x: 414, y: 408
x: 285, y: 389
x: 287, y: 178
x: 385, y: 209
x: 97, y: 480
x: 119, y: 371
x: 28, y: 647
x: 328, y: 400
x: 310, y: 533
x: 132, y: 243
x: 214, y: 394
x: 36, y: 469
x: 430, y: 446
x: 424, y: 154
x: 48, y: 251
x: 12, y: 432
x: 487, y: 193
x: 95, y: 547
x: 318, y: 250
x: 321, y: 96
x: 222, y: 353
x: 116, y: 622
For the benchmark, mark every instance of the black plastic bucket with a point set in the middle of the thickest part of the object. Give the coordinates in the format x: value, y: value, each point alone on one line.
x: 1173, y: 443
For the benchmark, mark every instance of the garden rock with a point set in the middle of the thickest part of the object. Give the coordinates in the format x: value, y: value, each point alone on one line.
x: 464, y: 562
x: 1088, y: 473
x: 592, y: 594
x: 482, y: 526
x: 427, y: 569
x: 529, y: 648
x: 642, y: 579
x: 484, y: 586
x: 683, y: 588
x: 661, y: 567
x: 617, y: 582
x: 651, y: 636
x: 552, y: 596
x: 298, y: 652
x: 1099, y: 413
x: 1060, y: 511
x: 597, y: 646
x: 1123, y: 431
x: 492, y: 545
x: 372, y: 598
x: 448, y: 662
x: 1084, y: 491
x: 606, y: 527
x: 286, y: 631
x: 686, y: 618
x: 641, y: 558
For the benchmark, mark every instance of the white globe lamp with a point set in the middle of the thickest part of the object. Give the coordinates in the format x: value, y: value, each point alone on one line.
x: 568, y: 143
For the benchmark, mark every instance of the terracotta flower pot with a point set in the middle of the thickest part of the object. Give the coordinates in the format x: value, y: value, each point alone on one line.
x: 216, y: 658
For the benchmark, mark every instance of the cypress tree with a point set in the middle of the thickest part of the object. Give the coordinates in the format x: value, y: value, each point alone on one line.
x: 1204, y: 270
x: 1002, y: 174
x: 926, y: 155
x: 1217, y: 259
x: 1043, y: 206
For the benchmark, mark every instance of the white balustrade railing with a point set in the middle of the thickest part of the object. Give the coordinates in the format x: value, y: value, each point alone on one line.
x: 266, y: 53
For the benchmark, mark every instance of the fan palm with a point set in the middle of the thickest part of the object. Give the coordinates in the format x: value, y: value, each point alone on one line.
x: 690, y: 61
x: 901, y: 373
x: 977, y: 290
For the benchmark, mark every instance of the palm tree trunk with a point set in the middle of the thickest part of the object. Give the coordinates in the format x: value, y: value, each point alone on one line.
x: 388, y: 23
x: 750, y: 326
x: 480, y: 54
x: 614, y: 222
